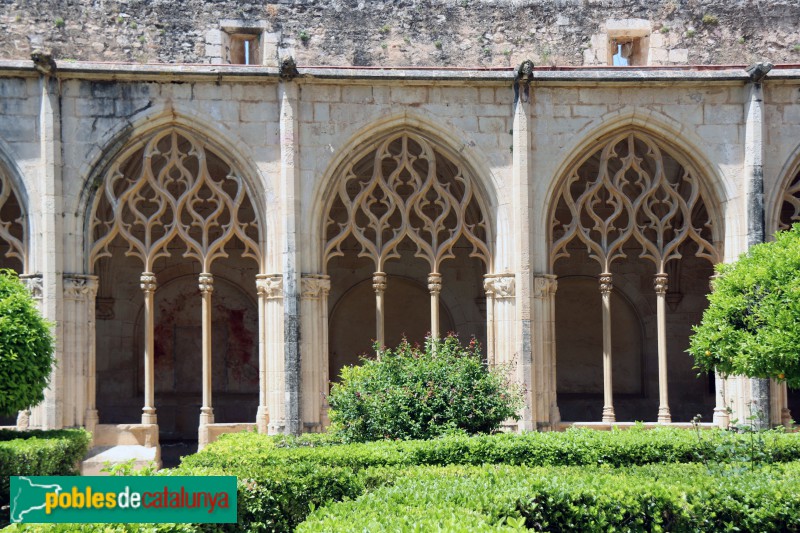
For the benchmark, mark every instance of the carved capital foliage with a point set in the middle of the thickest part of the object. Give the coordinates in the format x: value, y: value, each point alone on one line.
x: 148, y: 282
x: 544, y: 286
x: 314, y: 286
x: 79, y: 287
x: 379, y: 281
x: 606, y: 283
x: 34, y: 284
x: 500, y: 285
x: 435, y: 283
x: 270, y: 286
x: 661, y: 283
x: 206, y: 282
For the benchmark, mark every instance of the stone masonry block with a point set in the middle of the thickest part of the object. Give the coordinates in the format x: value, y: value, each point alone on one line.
x: 357, y: 95
x: 723, y: 114
x: 409, y: 95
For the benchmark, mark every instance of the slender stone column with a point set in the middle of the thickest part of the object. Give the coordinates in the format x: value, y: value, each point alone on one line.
x: 379, y: 284
x: 435, y: 286
x: 275, y: 380
x: 262, y: 415
x: 313, y: 349
x: 544, y: 348
x: 148, y: 284
x: 206, y: 284
x: 91, y: 417
x: 721, y: 417
x: 660, y: 283
x: 606, y: 285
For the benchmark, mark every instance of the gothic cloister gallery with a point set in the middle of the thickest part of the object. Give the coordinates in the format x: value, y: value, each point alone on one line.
x: 214, y: 243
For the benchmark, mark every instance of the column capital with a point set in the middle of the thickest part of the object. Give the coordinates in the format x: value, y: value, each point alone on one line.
x: 500, y: 285
x: 148, y: 282
x: 270, y: 286
x: 544, y: 285
x: 660, y: 283
x: 80, y: 286
x: 33, y: 282
x: 435, y: 282
x: 379, y: 281
x: 606, y: 282
x: 206, y: 282
x: 314, y: 286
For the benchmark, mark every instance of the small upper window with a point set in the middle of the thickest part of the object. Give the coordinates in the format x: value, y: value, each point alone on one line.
x: 243, y: 49
x: 628, y: 41
x: 624, y: 53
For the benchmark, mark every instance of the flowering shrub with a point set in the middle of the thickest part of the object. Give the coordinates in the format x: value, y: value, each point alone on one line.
x: 420, y: 393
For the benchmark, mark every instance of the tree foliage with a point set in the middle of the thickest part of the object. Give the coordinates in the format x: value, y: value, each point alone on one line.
x: 422, y: 392
x: 752, y: 324
x: 26, y: 347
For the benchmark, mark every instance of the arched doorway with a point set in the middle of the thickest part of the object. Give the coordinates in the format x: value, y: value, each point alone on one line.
x: 406, y: 234
x: 629, y: 205
x: 176, y: 241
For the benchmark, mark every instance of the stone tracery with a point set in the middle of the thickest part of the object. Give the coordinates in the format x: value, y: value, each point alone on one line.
x: 627, y: 195
x: 405, y: 189
x: 12, y: 225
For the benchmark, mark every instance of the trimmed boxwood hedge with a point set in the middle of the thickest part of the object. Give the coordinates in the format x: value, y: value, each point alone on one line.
x: 283, y: 479
x: 38, y: 453
x: 677, y: 497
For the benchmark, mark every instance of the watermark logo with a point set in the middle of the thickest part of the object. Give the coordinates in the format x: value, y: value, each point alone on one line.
x: 123, y: 499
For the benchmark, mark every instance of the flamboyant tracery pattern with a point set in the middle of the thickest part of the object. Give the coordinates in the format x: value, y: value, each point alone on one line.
x: 630, y: 196
x: 405, y: 189
x: 171, y: 192
x: 12, y: 226
x: 790, y: 204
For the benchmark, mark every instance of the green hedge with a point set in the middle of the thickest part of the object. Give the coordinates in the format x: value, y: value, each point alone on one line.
x: 38, y: 453
x: 678, y: 497
x: 635, y: 446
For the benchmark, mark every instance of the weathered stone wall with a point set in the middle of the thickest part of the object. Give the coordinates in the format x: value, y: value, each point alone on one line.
x: 402, y: 32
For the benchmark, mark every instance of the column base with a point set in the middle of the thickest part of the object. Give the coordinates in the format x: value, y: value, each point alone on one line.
x: 206, y: 419
x: 149, y: 415
x: 90, y: 421
x: 608, y: 414
x: 664, y: 416
x: 24, y: 419
x: 721, y: 418
x: 262, y: 419
x: 786, y: 417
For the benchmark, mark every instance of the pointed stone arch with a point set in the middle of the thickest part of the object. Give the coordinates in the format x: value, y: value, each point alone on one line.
x: 173, y: 191
x: 14, y: 220
x: 405, y: 186
x: 633, y: 195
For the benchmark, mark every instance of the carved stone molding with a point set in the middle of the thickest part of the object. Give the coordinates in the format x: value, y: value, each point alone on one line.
x: 544, y: 286
x: 206, y: 282
x: 270, y: 286
x: 606, y: 281
x: 379, y: 281
x: 500, y: 285
x: 148, y: 282
x: 434, y: 283
x: 661, y: 283
x: 79, y: 286
x: 12, y: 231
x: 34, y: 284
x: 314, y: 286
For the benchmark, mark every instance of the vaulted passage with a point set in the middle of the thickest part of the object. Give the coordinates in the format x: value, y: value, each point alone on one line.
x: 175, y: 243
x: 633, y: 248
x: 406, y: 237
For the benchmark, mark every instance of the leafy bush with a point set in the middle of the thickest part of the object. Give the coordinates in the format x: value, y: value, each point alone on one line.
x: 38, y: 453
x: 26, y: 347
x: 420, y: 393
x: 752, y: 324
x: 507, y: 498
